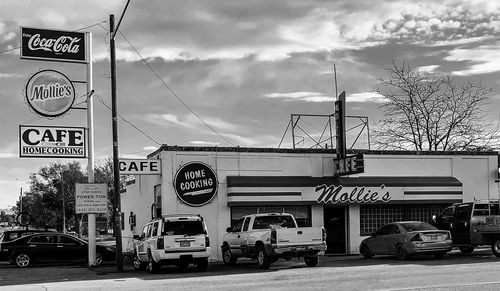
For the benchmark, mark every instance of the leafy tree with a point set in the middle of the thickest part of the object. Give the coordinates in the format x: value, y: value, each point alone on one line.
x: 432, y: 112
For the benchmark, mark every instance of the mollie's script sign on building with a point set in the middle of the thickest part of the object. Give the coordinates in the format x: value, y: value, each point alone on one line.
x: 195, y: 184
x: 51, y: 142
x: 53, y: 45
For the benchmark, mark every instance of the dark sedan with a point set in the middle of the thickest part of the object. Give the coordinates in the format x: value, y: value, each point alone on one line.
x: 407, y: 238
x: 51, y: 247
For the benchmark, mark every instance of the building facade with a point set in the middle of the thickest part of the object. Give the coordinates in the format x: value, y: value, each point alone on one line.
x: 223, y: 184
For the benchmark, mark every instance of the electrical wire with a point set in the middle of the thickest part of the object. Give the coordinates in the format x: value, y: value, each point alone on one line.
x: 172, y: 91
x: 128, y: 122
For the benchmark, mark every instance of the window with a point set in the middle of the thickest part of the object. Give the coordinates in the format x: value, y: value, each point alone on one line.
x: 183, y: 227
x: 417, y: 226
x: 494, y: 209
x: 448, y: 212
x: 237, y: 227
x: 157, y: 199
x: 145, y: 230
x: 301, y: 213
x: 463, y: 211
x: 373, y: 217
x: 43, y: 239
x: 264, y: 222
x: 246, y: 224
x: 385, y: 230
x: 481, y: 210
x: 155, y: 229
x: 68, y: 240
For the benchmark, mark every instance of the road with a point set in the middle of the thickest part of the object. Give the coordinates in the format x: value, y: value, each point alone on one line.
x: 477, y: 271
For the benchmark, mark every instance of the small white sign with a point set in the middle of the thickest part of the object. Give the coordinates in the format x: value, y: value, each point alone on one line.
x: 140, y: 167
x: 91, y: 198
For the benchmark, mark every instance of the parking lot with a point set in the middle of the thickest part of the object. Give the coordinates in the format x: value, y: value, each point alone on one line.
x: 455, y: 271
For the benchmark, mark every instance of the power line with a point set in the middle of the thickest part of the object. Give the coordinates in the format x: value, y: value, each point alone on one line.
x: 172, y: 91
x: 130, y: 123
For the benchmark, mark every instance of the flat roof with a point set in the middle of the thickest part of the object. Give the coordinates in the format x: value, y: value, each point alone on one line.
x: 177, y: 148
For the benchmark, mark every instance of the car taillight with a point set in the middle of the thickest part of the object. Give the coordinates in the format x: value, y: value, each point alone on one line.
x: 160, y: 243
x: 207, y: 241
x: 273, y: 236
x: 416, y: 238
x: 323, y: 234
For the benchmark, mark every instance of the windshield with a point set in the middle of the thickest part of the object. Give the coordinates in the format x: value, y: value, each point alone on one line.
x: 184, y: 227
x: 417, y: 226
x: 265, y: 222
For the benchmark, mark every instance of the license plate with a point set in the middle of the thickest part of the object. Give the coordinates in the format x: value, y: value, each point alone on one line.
x: 185, y: 244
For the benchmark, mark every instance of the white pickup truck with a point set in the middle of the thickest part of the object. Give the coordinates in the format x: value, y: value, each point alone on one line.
x: 269, y: 236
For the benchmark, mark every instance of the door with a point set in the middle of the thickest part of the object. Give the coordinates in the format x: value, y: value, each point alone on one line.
x: 444, y: 220
x: 71, y: 248
x: 335, y: 226
x: 460, y: 226
x: 378, y: 243
x: 44, y: 247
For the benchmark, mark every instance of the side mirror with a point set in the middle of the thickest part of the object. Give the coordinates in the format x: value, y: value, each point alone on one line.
x: 229, y: 229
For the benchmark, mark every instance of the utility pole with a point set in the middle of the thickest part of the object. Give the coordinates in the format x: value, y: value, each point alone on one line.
x: 116, y: 174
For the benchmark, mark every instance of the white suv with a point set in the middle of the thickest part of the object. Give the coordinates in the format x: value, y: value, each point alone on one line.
x: 178, y: 239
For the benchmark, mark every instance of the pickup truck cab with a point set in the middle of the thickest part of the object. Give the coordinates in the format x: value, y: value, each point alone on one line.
x: 269, y: 236
x: 178, y: 239
x: 472, y: 224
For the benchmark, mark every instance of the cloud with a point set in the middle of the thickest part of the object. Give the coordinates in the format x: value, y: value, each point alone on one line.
x: 300, y: 96
x: 150, y: 148
x: 190, y: 121
x: 204, y: 143
x: 484, y: 59
x: 428, y: 69
x: 367, y: 97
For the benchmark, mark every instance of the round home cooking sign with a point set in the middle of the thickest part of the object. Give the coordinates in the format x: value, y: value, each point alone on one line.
x: 195, y: 184
x: 50, y: 93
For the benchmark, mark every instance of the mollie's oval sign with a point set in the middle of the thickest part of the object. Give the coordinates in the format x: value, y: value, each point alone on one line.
x: 195, y: 184
x: 50, y: 93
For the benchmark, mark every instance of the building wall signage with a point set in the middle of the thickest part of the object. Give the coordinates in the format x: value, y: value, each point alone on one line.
x: 139, y: 167
x: 53, y: 45
x: 52, y: 142
x: 195, y: 184
x: 91, y: 198
x: 50, y: 93
x: 361, y: 195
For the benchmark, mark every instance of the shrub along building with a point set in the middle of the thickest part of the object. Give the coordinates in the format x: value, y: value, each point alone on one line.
x: 223, y: 184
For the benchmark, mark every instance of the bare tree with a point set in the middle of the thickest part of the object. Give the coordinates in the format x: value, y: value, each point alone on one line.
x: 432, y: 112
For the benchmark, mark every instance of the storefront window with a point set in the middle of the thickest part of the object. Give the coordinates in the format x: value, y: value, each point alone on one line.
x: 301, y: 213
x: 372, y: 217
x: 157, y: 193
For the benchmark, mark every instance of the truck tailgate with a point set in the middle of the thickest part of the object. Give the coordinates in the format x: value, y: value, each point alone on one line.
x: 299, y: 236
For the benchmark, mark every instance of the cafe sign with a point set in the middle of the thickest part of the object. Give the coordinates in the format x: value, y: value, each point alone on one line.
x: 195, y: 184
x: 53, y: 45
x: 50, y: 93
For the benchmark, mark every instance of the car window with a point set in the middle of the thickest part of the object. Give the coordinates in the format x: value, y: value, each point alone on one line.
x: 448, y: 212
x: 481, y: 210
x: 395, y: 229
x: 237, y: 227
x: 148, y: 231
x: 417, y: 226
x: 183, y: 227
x: 44, y: 239
x: 145, y: 230
x: 385, y: 230
x: 155, y: 229
x: 68, y: 240
x: 494, y: 209
x: 265, y: 222
x: 246, y: 224
x: 463, y: 211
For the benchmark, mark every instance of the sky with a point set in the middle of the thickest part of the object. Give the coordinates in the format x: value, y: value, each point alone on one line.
x: 232, y: 73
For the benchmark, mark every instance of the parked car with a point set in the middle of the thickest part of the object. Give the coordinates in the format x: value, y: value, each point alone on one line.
x: 472, y: 224
x: 270, y: 236
x: 407, y: 238
x: 12, y: 234
x: 179, y: 239
x: 51, y: 247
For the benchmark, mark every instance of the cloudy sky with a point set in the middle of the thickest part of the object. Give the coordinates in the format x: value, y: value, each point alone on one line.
x: 231, y: 73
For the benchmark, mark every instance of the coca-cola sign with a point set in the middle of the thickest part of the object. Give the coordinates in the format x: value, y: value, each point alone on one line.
x: 53, y: 45
x: 50, y: 93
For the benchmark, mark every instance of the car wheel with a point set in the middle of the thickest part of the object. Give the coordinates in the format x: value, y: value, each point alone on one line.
x: 311, y: 261
x: 152, y: 266
x: 263, y: 259
x: 365, y: 251
x: 22, y: 260
x: 202, y: 265
x: 227, y: 257
x: 401, y: 252
x: 439, y: 255
x: 138, y: 265
x: 495, y: 248
x: 466, y: 250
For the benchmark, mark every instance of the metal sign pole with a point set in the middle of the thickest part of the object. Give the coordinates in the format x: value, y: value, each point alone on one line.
x: 90, y: 166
